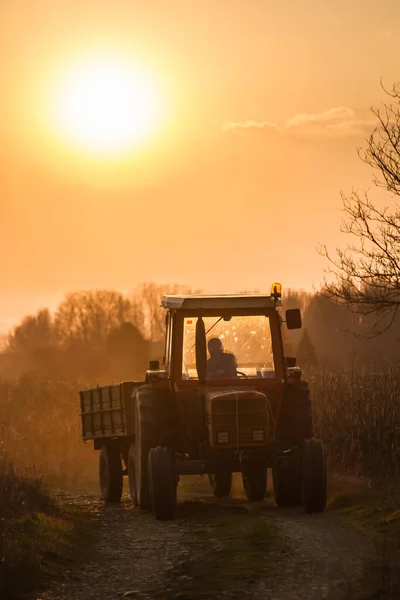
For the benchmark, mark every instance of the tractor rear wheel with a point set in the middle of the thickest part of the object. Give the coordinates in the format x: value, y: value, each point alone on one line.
x: 221, y: 483
x: 162, y: 483
x: 110, y: 474
x: 131, y: 474
x: 144, y: 434
x: 287, y: 486
x: 314, y: 476
x: 254, y: 479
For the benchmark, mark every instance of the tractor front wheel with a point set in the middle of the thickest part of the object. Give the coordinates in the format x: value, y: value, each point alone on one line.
x: 162, y: 483
x: 254, y: 479
x: 221, y: 483
x: 110, y: 474
x: 313, y: 476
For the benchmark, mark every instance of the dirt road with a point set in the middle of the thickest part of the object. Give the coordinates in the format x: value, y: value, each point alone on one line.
x: 216, y: 549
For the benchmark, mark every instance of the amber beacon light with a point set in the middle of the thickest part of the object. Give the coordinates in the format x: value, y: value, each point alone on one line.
x: 276, y: 291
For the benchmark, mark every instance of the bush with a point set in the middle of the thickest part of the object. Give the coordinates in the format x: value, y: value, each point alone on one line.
x: 20, y: 491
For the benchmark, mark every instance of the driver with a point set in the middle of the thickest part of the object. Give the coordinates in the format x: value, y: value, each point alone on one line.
x: 220, y: 365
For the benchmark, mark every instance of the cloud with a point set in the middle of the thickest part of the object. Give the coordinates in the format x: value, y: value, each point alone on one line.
x: 338, y: 121
x: 340, y: 113
x: 249, y: 125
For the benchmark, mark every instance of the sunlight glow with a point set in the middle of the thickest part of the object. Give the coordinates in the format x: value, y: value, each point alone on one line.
x: 107, y: 106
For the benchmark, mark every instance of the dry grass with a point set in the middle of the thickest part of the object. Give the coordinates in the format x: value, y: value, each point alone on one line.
x: 358, y: 417
x: 38, y: 536
x: 40, y: 425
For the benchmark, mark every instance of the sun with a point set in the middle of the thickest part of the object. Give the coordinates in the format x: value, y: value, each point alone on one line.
x: 108, y: 106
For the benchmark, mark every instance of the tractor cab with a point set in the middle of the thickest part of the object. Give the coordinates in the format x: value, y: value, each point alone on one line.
x: 225, y: 340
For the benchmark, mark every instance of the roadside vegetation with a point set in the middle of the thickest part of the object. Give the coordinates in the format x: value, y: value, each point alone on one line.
x: 358, y: 416
x: 38, y: 536
x: 372, y: 506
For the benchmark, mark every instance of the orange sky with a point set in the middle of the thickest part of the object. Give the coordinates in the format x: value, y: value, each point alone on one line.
x: 267, y: 103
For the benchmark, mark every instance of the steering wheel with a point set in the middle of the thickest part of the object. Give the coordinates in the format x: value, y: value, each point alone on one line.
x: 243, y: 374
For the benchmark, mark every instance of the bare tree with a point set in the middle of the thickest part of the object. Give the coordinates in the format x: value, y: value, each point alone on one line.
x: 90, y: 316
x: 365, y: 274
x: 146, y: 307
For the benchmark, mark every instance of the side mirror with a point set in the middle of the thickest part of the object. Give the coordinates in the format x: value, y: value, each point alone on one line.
x: 293, y: 318
x: 290, y: 361
x: 154, y: 365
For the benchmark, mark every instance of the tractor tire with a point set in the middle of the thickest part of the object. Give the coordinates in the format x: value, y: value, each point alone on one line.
x: 287, y: 486
x: 221, y: 483
x: 254, y: 479
x: 131, y: 475
x: 144, y: 441
x: 110, y: 474
x: 295, y: 420
x: 313, y: 476
x: 162, y: 483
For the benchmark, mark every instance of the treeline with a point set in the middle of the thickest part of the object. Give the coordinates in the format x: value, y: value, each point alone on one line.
x: 93, y: 336
x: 335, y: 339
x: 102, y: 335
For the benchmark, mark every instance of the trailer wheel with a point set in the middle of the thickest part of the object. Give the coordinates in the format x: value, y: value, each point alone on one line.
x: 221, y: 483
x: 254, y: 479
x: 162, y: 483
x: 110, y: 474
x: 314, y: 476
x: 287, y: 486
x: 131, y: 474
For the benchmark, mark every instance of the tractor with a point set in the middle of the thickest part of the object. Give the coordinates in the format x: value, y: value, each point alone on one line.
x: 226, y: 400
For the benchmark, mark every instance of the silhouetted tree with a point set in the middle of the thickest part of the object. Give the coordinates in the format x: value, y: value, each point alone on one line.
x: 33, y: 333
x: 146, y: 307
x: 90, y: 316
x: 128, y: 351
x: 306, y: 354
x: 366, y: 273
x: 293, y: 299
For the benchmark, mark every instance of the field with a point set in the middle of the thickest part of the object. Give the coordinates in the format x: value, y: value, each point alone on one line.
x: 356, y: 414
x: 358, y: 417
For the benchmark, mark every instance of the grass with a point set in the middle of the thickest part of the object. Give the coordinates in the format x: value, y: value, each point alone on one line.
x: 374, y: 509
x: 39, y: 537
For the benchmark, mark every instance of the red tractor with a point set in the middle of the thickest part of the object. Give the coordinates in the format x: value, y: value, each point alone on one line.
x: 227, y: 400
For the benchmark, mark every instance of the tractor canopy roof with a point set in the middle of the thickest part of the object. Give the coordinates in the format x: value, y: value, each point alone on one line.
x: 220, y: 302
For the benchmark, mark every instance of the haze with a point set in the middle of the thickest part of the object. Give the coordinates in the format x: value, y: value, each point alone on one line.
x: 265, y: 106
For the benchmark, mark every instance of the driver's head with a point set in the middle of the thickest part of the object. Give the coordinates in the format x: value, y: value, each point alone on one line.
x: 215, y: 346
